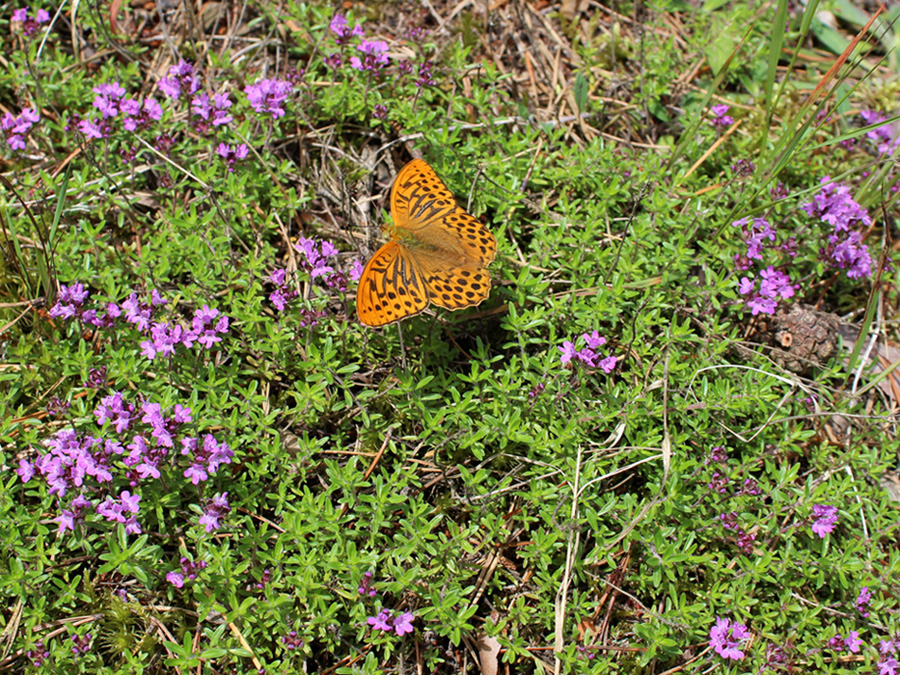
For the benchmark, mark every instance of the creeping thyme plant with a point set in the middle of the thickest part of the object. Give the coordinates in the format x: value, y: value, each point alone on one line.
x: 609, y: 465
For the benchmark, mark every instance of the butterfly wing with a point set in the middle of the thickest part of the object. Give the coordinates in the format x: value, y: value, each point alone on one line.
x: 392, y: 287
x: 454, y: 286
x: 427, y: 217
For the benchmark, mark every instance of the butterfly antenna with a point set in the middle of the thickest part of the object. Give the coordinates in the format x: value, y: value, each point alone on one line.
x: 402, y: 348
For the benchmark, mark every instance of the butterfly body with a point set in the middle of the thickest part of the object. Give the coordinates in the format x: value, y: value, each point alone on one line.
x: 437, y: 253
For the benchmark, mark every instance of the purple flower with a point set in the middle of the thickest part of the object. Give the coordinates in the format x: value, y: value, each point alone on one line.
x: 403, y: 623
x: 70, y: 301
x: 882, y: 135
x: 774, y: 284
x: 66, y: 521
x: 92, y: 129
x: 207, y: 326
x: 374, y: 56
x: 232, y: 154
x: 834, y: 205
x: 114, y: 510
x: 356, y: 270
x: 385, y: 621
x: 588, y: 356
x: 206, y: 458
x: 568, y: 352
x: 137, y: 312
x: 593, y: 340
x: 718, y: 118
x: 164, y: 339
x: 29, y: 25
x: 717, y: 455
x: 316, y: 261
x: 729, y: 520
x: 268, y: 96
x: 851, y: 254
x: 291, y: 641
x: 213, y: 111
x: 140, y: 115
x: 80, y: 645
x: 176, y: 579
x: 425, y: 79
x: 333, y: 61
x: 750, y: 487
x: 366, y: 588
x: 718, y: 483
x: 108, y: 98
x: 726, y: 638
x: 282, y: 295
x: 181, y: 80
x: 381, y: 621
x: 380, y: 112
x: 216, y: 509
x: 826, y: 518
x: 71, y: 458
x: 851, y: 643
x: 743, y: 168
x: 862, y: 600
x: 188, y: 571
x: 25, y: 470
x: 341, y: 29
x: 755, y: 235
x: 115, y: 409
x: 17, y: 128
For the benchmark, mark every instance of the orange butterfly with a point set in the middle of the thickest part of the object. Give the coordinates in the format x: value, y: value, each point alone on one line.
x: 437, y: 253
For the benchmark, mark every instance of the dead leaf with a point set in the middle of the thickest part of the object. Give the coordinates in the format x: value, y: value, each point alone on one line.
x: 488, y: 650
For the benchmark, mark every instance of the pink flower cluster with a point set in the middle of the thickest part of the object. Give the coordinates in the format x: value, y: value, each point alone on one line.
x: 718, y: 118
x: 231, y: 154
x: 109, y: 102
x: 386, y: 621
x: 17, y: 127
x: 134, y: 445
x: 206, y: 329
x: 588, y: 356
x: 342, y: 31
x: 727, y: 638
x: 764, y: 293
x: 883, y: 135
x: 30, y: 24
x: 187, y: 572
x: 833, y: 205
x: 268, y: 96
x: 374, y: 56
x: 825, y: 519
x: 216, y: 509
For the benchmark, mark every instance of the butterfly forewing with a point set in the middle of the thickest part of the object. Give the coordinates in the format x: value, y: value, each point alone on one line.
x: 418, y: 196
x: 423, y: 206
x: 470, y: 236
x: 391, y: 287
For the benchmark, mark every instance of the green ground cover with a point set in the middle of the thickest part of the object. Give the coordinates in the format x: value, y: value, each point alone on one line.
x: 666, y: 442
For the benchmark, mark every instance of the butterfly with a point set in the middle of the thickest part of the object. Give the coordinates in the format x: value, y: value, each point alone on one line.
x: 437, y: 253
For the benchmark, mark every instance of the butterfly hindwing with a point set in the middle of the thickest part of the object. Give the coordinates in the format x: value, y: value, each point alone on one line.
x: 457, y: 286
x: 391, y: 287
